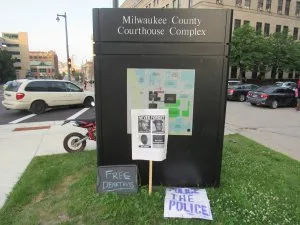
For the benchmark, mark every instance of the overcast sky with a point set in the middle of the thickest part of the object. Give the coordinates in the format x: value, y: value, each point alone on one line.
x: 38, y: 19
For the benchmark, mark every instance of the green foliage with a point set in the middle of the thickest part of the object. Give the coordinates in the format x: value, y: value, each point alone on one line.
x: 258, y: 186
x: 250, y: 50
x: 7, y: 70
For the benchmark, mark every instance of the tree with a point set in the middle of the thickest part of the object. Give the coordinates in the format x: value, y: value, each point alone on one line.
x: 246, y: 48
x: 7, y: 70
x: 283, y: 53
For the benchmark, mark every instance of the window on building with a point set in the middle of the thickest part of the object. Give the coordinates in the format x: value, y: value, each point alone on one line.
x: 279, y: 7
x: 234, y: 72
x: 278, y: 28
x: 17, y: 60
x: 18, y: 67
x: 237, y: 23
x: 10, y: 36
x: 258, y: 27
x: 295, y: 34
x: 246, y: 22
x: 33, y: 70
x: 14, y: 52
x: 12, y: 45
x: 247, y: 4
x: 287, y: 7
x: 285, y: 29
x: 297, y: 74
x: 175, y: 3
x: 42, y: 70
x: 297, y: 13
x: 267, y: 29
x: 260, y: 5
x: 291, y: 74
x: 238, y: 3
x: 268, y: 5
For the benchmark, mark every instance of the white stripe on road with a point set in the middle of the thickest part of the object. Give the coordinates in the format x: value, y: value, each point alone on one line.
x: 78, y: 114
x: 23, y: 118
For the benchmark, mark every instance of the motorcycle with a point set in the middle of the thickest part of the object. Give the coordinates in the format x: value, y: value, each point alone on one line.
x: 76, y: 142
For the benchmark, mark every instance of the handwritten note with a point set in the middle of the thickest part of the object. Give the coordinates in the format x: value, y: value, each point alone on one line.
x: 117, y: 178
x: 187, y: 203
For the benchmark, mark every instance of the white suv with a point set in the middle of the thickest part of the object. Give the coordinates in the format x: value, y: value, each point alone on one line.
x: 37, y: 95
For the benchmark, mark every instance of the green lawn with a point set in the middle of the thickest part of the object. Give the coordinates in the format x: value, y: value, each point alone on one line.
x: 258, y: 186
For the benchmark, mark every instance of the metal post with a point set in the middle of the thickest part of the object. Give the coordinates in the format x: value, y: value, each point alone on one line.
x: 67, y: 43
x: 115, y: 3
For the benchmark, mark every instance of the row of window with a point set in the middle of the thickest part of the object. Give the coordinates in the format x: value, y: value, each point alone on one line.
x: 12, y: 45
x: 175, y: 4
x: 237, y: 24
x: 260, y: 6
x: 10, y: 36
x: 14, y: 52
x: 234, y: 73
x: 42, y: 70
x: 38, y: 57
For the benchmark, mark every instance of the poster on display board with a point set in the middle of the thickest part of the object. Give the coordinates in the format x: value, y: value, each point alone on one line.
x: 149, y: 134
x: 171, y: 89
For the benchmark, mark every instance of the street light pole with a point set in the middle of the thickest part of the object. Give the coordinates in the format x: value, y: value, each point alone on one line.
x: 67, y: 41
x: 115, y: 3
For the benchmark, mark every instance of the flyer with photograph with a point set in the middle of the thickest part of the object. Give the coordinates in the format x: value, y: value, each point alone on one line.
x: 149, y: 134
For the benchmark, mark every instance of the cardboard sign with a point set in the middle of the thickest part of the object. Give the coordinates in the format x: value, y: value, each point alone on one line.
x: 149, y: 134
x: 117, y: 178
x: 187, y: 203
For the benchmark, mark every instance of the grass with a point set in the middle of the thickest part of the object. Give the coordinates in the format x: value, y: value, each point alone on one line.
x: 258, y: 186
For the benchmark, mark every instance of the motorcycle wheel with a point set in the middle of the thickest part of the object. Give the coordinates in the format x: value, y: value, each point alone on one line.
x: 69, y: 142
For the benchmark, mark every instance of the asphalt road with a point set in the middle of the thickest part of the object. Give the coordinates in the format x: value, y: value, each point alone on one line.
x: 278, y: 129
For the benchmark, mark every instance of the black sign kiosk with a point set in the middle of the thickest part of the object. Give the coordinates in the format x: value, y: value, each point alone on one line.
x: 163, y: 58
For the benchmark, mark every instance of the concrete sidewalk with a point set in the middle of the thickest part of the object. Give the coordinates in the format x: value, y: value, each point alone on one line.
x: 18, y: 148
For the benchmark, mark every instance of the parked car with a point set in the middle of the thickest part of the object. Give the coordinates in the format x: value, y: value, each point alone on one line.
x: 37, y: 95
x: 239, y: 92
x: 272, y: 96
x: 288, y: 84
x: 232, y: 83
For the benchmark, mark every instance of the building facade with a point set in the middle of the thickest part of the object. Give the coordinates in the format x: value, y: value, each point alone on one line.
x: 268, y: 15
x: 44, y: 59
x: 17, y: 45
x: 88, y: 70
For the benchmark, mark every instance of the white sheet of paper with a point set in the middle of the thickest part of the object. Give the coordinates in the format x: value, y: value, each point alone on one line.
x: 187, y: 203
x: 149, y: 134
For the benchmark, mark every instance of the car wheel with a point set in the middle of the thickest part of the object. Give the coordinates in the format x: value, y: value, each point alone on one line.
x: 242, y: 98
x: 38, y: 107
x: 88, y: 102
x: 253, y: 104
x: 274, y: 104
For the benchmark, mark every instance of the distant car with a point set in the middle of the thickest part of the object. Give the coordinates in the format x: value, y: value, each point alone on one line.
x: 239, y: 92
x: 232, y: 83
x: 38, y: 95
x: 287, y: 84
x: 272, y: 96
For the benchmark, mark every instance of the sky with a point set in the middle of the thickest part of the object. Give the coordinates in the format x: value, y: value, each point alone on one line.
x: 38, y: 19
